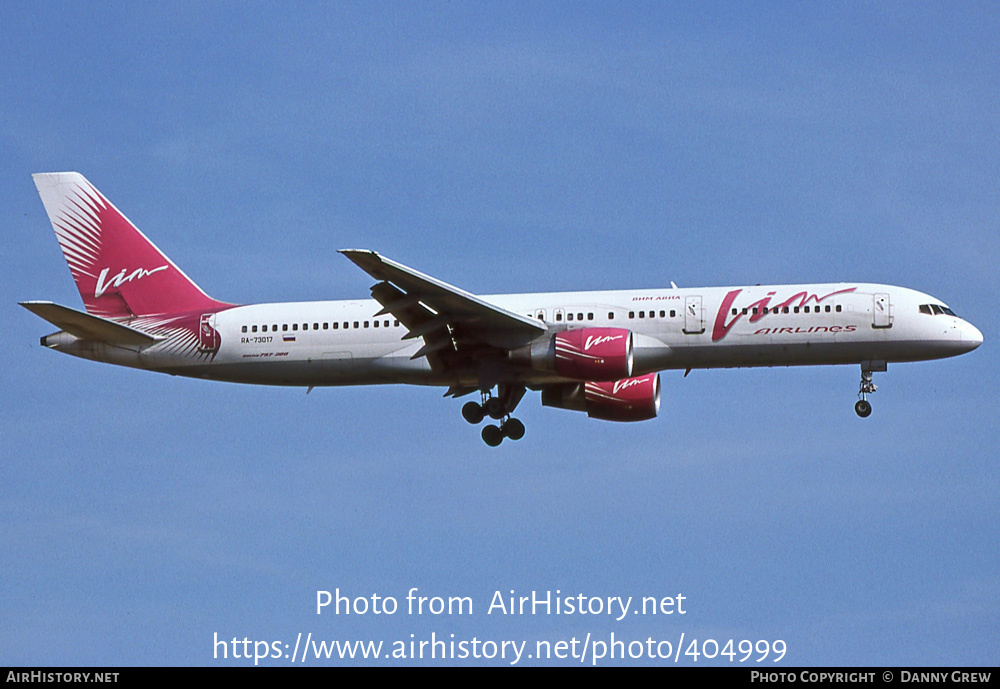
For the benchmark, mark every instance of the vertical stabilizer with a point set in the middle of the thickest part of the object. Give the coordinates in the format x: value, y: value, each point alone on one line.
x: 120, y: 273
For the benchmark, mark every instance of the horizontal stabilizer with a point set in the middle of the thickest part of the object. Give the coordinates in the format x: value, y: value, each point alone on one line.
x: 87, y: 327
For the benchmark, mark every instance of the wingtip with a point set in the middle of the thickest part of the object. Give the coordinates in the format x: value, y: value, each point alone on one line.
x: 360, y: 256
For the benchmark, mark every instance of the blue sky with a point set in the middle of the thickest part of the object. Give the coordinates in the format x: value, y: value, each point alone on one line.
x: 505, y: 147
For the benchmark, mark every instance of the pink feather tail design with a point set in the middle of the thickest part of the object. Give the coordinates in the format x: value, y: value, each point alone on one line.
x: 119, y: 272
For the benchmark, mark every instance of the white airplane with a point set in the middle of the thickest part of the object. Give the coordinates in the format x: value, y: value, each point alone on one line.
x: 597, y: 352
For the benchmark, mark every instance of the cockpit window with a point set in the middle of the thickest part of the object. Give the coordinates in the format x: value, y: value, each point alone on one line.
x: 937, y: 310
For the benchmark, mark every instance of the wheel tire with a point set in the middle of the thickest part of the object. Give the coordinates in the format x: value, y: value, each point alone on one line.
x: 863, y: 408
x: 513, y: 429
x: 472, y: 412
x: 492, y: 435
x: 494, y: 407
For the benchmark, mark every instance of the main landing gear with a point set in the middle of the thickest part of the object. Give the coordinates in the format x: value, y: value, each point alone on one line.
x: 863, y: 408
x: 500, y: 409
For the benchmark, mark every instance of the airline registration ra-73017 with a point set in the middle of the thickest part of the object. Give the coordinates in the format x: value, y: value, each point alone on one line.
x: 596, y: 352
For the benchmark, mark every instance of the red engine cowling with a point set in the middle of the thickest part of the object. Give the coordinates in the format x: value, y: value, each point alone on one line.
x: 603, y: 354
x: 630, y: 399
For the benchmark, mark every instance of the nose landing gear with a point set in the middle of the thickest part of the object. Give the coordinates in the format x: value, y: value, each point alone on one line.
x: 863, y: 407
x: 499, y: 408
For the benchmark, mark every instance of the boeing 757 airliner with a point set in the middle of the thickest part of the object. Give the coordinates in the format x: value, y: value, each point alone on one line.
x: 597, y: 352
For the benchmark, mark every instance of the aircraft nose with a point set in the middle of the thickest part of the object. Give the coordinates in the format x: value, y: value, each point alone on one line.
x: 971, y: 336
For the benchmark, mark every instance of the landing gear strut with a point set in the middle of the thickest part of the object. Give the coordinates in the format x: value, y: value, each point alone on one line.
x: 863, y: 408
x: 499, y: 408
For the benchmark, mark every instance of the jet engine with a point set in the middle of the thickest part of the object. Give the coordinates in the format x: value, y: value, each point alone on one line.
x: 629, y: 399
x: 601, y: 354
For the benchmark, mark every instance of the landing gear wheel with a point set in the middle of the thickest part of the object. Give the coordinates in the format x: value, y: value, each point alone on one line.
x: 867, y: 387
x: 492, y: 435
x: 513, y: 429
x: 495, y: 408
x: 473, y: 413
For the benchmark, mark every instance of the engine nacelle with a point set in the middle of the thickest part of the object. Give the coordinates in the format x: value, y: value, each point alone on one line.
x: 603, y: 354
x: 629, y: 399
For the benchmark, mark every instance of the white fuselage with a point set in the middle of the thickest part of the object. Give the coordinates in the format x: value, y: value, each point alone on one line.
x: 344, y: 343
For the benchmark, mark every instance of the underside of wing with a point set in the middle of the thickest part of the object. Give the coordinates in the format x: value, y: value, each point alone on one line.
x: 457, y: 327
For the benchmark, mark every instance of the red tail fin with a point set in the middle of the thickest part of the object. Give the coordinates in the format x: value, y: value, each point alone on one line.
x: 118, y: 271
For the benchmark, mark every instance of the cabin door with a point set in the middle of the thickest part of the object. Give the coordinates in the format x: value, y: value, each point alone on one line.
x: 208, y: 336
x: 694, y: 316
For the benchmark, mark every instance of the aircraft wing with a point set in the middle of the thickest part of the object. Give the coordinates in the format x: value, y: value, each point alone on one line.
x: 88, y: 327
x: 444, y: 315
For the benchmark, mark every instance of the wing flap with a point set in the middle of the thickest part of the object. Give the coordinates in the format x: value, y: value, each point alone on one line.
x: 445, y: 304
x: 87, y: 327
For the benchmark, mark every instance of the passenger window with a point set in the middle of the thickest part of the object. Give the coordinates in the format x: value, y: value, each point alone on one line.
x: 336, y: 325
x: 631, y: 314
x: 385, y: 323
x: 642, y: 314
x: 376, y: 324
x: 356, y: 325
x: 284, y: 327
x: 253, y: 329
x: 673, y: 313
x: 590, y: 316
x: 611, y: 315
x: 558, y: 316
x: 579, y: 316
x: 295, y: 326
x: 785, y: 310
x: 838, y: 308
x: 569, y: 316
x: 245, y: 328
x: 663, y: 314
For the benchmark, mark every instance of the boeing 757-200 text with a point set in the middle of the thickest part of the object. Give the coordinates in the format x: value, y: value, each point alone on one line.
x: 597, y: 352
